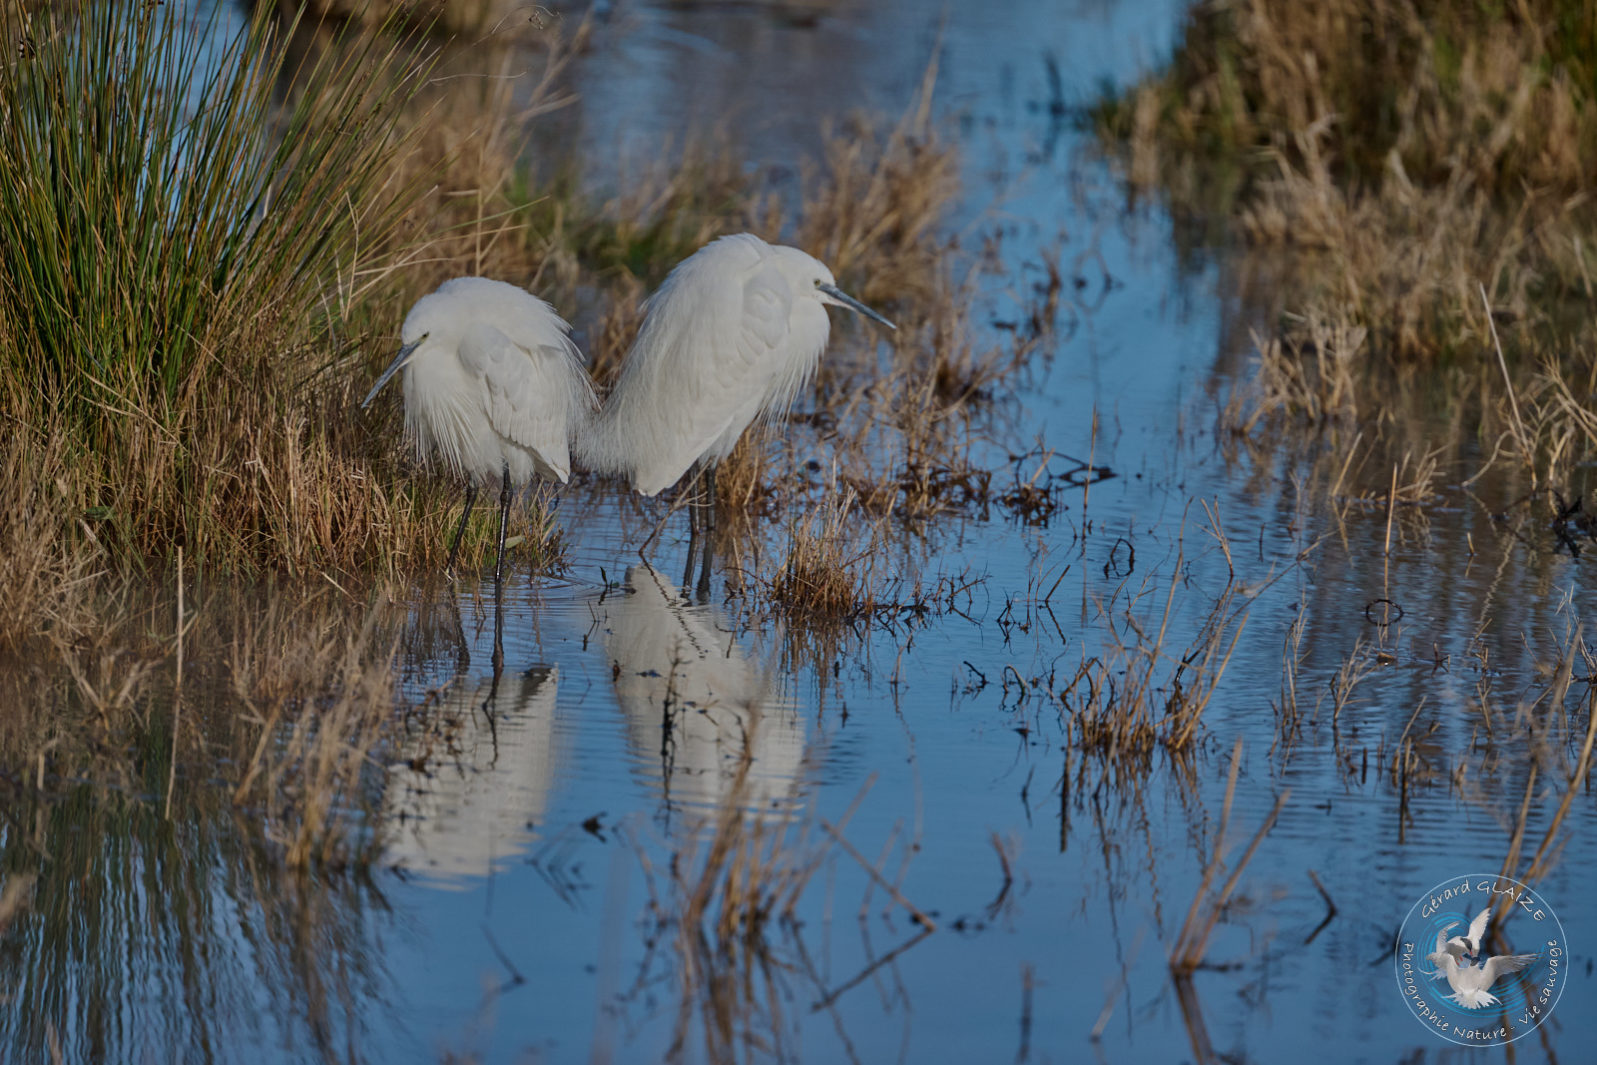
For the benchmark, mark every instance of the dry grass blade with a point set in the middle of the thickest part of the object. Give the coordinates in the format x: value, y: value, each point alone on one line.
x: 1193, y: 940
x: 1542, y: 861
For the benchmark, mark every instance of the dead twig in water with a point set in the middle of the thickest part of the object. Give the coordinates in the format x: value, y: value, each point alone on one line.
x: 1193, y: 941
x: 1330, y: 907
x: 881, y: 881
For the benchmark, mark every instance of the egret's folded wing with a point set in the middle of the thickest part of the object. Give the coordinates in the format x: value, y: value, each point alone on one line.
x: 750, y: 355
x: 533, y: 396
x: 717, y: 346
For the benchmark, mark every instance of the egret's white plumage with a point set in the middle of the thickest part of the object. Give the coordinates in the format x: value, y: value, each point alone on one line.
x: 679, y: 666
x: 732, y: 335
x: 492, y: 381
x: 494, y: 387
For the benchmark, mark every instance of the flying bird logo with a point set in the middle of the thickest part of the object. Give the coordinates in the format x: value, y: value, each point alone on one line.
x: 1455, y: 960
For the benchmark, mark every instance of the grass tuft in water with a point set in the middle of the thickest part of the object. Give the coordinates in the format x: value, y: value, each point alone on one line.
x: 1417, y: 188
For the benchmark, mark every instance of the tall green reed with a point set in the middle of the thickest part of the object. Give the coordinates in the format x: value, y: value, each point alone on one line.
x: 178, y: 202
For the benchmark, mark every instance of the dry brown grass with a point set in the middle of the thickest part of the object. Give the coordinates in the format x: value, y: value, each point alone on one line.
x: 1138, y: 695
x: 285, y: 692
x: 1448, y: 90
x: 827, y: 571
x: 1401, y: 159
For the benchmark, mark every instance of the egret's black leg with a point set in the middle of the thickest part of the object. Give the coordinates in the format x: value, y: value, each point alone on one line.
x: 460, y: 530
x: 693, y: 534
x: 490, y: 705
x: 504, y: 517
x: 499, y: 637
x: 708, y: 532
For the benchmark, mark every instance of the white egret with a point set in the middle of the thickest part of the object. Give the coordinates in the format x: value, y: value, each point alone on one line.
x: 494, y: 388
x: 732, y: 335
x: 696, y: 702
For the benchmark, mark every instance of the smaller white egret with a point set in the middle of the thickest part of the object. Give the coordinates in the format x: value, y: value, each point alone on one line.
x: 494, y: 388
x: 732, y: 335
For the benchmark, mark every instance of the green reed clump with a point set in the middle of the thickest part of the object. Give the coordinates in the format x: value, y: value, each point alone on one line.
x: 181, y: 214
x: 156, y: 201
x: 1422, y: 171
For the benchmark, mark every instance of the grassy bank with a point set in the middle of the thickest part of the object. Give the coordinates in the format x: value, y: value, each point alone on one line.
x: 210, y: 243
x: 1415, y: 165
x: 208, y: 247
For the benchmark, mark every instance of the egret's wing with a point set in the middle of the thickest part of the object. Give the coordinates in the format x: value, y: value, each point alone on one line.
x: 1441, y: 938
x: 1477, y: 927
x: 713, y: 342
x: 1502, y: 965
x: 532, y: 392
x: 748, y: 356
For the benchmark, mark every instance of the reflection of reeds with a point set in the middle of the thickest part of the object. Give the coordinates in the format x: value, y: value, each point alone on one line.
x: 1548, y: 850
x: 726, y: 892
x: 1193, y: 940
x: 1136, y: 694
x: 288, y: 691
x: 285, y: 693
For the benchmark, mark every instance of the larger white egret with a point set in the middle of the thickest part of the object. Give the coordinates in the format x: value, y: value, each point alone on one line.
x: 494, y: 388
x: 732, y: 335
x: 696, y: 703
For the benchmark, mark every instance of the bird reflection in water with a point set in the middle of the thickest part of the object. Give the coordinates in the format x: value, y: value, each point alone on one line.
x: 472, y: 784
x: 695, y: 704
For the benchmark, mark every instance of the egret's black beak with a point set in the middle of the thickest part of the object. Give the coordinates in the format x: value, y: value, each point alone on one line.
x: 853, y: 304
x: 394, y: 367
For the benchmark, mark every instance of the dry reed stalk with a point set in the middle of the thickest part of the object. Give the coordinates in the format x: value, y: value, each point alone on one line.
x: 1397, y: 171
x: 1193, y: 940
x: 1542, y: 861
